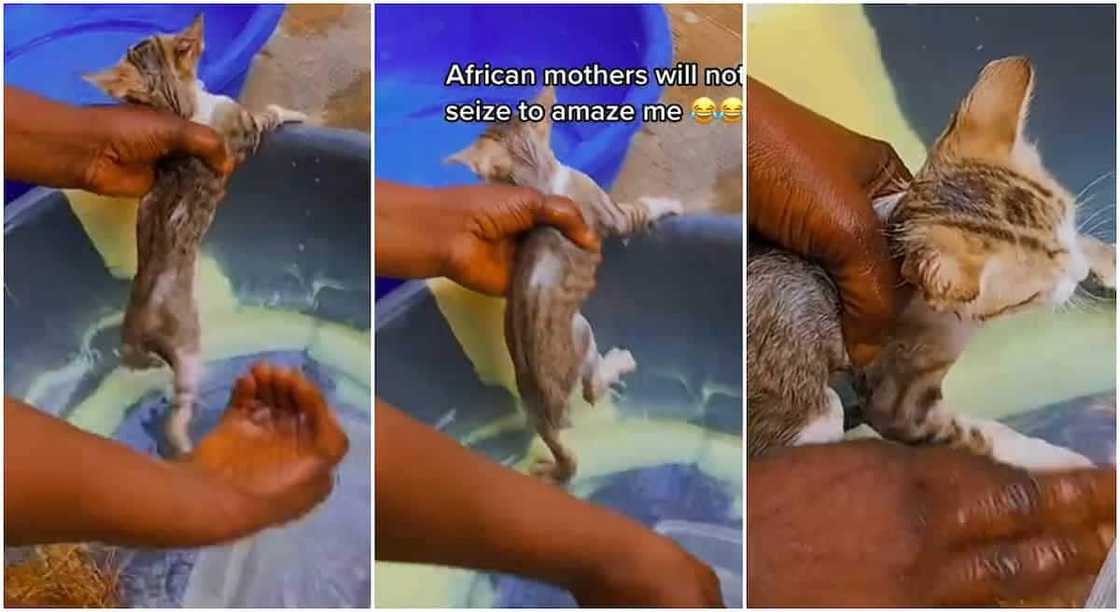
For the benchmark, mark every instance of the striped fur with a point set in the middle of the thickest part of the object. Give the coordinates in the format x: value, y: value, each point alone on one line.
x: 161, y: 322
x: 551, y: 344
x: 983, y: 231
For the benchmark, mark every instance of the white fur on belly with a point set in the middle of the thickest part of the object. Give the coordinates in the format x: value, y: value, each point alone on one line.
x: 206, y: 104
x: 829, y: 427
x: 547, y: 271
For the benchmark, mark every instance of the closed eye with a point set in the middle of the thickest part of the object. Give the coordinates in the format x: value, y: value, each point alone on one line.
x: 985, y: 317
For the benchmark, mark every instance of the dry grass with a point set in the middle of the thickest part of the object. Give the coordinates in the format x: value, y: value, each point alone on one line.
x: 62, y: 576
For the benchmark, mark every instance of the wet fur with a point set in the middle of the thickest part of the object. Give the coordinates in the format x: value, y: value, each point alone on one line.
x: 551, y: 344
x: 982, y: 232
x: 161, y: 323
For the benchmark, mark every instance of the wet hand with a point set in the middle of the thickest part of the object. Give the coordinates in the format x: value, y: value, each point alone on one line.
x: 124, y: 144
x: 483, y: 223
x: 810, y: 185
x: 277, y: 445
x: 469, y: 234
x: 872, y: 523
x: 109, y: 150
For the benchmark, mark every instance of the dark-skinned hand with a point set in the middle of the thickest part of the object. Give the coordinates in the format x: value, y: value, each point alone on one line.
x: 468, y: 234
x: 877, y: 524
x: 810, y: 185
x: 108, y: 150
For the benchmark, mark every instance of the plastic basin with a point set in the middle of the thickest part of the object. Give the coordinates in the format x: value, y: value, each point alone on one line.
x: 672, y: 449
x: 284, y: 277
x: 47, y: 48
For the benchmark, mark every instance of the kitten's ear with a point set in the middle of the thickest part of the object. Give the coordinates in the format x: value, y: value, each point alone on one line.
x: 542, y: 129
x: 488, y: 159
x: 187, y: 46
x: 120, y: 82
x: 990, y: 119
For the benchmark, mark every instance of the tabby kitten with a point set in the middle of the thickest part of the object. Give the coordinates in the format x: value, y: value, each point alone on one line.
x: 161, y: 322
x: 983, y: 231
x: 550, y: 342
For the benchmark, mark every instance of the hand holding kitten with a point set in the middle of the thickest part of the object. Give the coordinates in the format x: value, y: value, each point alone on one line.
x: 810, y: 186
x: 468, y: 234
x: 110, y: 150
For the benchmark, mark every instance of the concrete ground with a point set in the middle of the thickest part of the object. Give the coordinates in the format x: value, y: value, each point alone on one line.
x: 317, y: 62
x: 699, y: 164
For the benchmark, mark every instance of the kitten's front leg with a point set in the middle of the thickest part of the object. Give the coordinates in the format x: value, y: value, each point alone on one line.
x: 1014, y: 448
x: 647, y: 211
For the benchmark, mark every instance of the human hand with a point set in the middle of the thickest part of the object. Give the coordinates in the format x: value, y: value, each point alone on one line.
x: 876, y: 524
x: 109, y: 150
x: 650, y: 571
x: 468, y: 234
x: 276, y: 444
x: 810, y: 186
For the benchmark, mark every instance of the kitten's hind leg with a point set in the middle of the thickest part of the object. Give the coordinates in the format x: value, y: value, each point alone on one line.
x: 561, y: 467
x: 187, y: 370
x: 598, y: 373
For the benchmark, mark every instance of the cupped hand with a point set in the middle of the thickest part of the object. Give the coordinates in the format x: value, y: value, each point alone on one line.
x: 469, y: 234
x: 810, y: 186
x: 873, y: 524
x: 277, y: 444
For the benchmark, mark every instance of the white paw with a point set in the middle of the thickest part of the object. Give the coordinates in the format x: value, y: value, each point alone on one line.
x: 1013, y: 448
x: 287, y: 115
x: 616, y: 363
x: 662, y: 207
x: 828, y: 427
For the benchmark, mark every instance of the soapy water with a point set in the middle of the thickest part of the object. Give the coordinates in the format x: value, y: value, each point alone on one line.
x: 322, y: 560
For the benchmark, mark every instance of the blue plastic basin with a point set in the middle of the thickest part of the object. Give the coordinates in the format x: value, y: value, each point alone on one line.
x: 416, y: 45
x: 47, y: 48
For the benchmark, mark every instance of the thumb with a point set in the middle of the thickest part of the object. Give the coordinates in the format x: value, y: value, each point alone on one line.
x: 867, y: 297
x: 206, y: 144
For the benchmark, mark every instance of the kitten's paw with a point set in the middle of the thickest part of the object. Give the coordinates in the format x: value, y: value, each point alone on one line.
x: 285, y: 115
x: 1102, y: 261
x: 946, y: 283
x: 612, y: 366
x: 659, y: 208
x: 1013, y: 448
x: 554, y: 472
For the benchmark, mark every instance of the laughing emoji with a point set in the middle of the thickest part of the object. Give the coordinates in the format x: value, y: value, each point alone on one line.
x: 703, y: 110
x: 732, y: 110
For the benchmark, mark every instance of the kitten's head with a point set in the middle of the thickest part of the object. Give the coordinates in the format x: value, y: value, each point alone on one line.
x: 518, y: 153
x: 984, y: 229
x: 160, y: 71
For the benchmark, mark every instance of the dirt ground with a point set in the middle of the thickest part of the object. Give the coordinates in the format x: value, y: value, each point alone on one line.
x: 317, y: 62
x: 700, y: 164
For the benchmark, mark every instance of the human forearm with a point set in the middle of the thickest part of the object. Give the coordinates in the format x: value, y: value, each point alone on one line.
x: 42, y: 142
x: 408, y: 239
x: 63, y: 484
x: 438, y: 502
